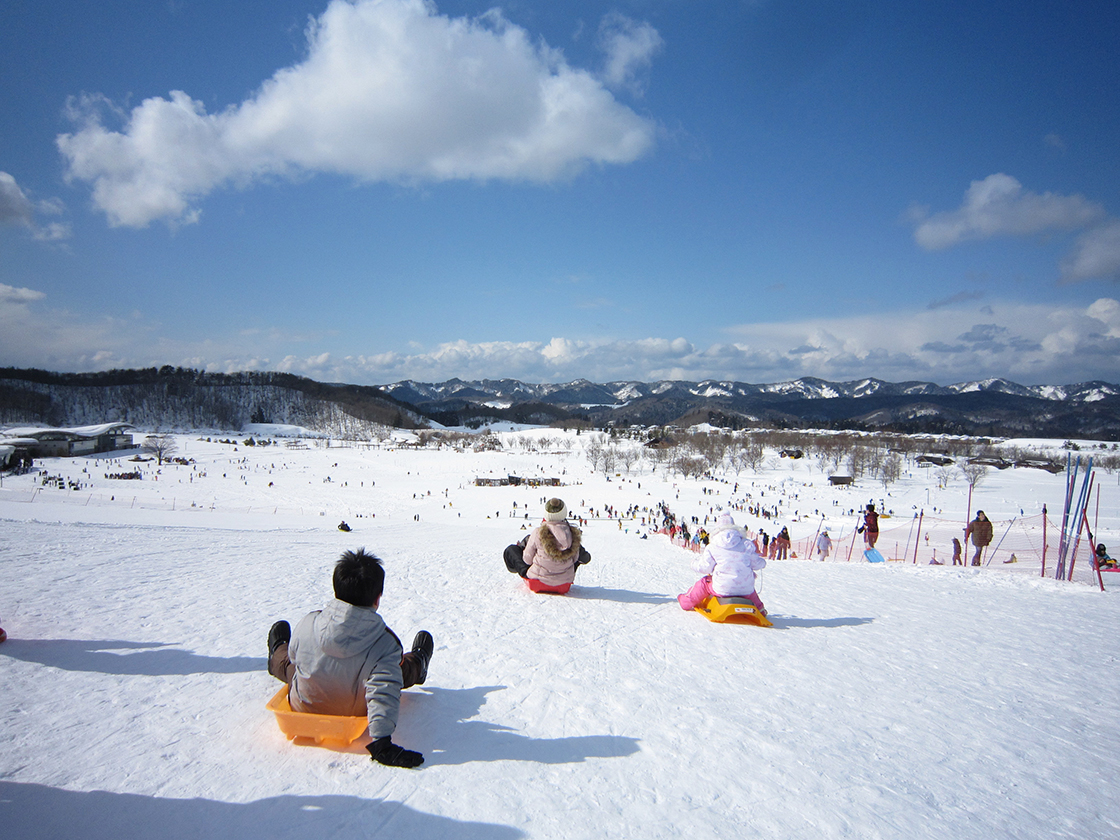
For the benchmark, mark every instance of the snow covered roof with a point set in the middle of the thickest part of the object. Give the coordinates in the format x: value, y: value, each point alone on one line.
x: 36, y: 432
x: 30, y: 435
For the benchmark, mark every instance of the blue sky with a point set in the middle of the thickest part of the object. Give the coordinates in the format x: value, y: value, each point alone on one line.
x: 376, y: 190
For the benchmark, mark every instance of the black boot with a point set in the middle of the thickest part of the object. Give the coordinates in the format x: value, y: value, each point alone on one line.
x: 422, y: 647
x: 281, y: 633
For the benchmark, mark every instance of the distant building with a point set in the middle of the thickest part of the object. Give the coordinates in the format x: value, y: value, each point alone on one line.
x: 41, y: 442
x: 516, y: 481
x: 937, y: 460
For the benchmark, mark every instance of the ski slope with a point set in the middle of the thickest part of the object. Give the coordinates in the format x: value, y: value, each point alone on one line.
x: 888, y: 701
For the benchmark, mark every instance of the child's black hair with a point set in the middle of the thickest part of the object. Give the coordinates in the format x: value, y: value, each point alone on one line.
x: 359, y: 578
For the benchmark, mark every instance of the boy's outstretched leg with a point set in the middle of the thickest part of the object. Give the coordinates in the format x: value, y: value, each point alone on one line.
x: 279, y: 665
x: 414, y: 664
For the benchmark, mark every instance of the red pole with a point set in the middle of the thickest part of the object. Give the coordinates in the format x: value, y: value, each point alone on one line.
x: 967, y: 519
x: 921, y: 515
x: 1092, y: 547
x: 1043, y: 541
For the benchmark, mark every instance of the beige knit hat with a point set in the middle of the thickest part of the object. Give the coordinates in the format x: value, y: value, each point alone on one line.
x: 555, y: 510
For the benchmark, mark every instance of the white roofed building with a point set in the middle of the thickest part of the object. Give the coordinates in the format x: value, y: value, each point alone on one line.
x: 45, y: 442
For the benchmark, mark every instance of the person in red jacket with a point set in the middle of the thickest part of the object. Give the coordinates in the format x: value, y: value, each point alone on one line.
x: 980, y: 530
x: 870, y: 526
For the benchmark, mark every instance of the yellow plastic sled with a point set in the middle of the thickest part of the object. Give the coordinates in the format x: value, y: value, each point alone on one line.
x: 308, y: 728
x: 732, y: 611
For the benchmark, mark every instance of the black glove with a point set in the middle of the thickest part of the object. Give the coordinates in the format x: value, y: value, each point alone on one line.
x: 384, y: 751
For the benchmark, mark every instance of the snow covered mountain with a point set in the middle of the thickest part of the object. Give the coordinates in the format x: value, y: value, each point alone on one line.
x: 177, y: 398
x: 583, y: 392
x: 993, y: 406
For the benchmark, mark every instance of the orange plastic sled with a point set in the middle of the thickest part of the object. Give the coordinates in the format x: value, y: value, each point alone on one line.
x: 308, y: 728
x: 732, y: 611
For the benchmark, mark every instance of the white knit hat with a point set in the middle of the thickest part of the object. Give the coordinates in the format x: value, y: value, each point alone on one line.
x: 555, y: 510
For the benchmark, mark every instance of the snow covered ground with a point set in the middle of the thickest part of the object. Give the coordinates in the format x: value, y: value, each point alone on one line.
x: 889, y: 701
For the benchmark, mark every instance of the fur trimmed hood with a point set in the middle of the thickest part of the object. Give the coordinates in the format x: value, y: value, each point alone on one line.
x: 551, y: 544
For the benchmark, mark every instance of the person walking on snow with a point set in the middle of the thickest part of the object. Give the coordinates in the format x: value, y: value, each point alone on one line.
x: 781, y: 544
x: 824, y: 545
x: 870, y: 526
x: 728, y: 565
x: 980, y: 530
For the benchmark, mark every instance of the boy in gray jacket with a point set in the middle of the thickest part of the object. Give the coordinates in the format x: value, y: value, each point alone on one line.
x: 344, y: 660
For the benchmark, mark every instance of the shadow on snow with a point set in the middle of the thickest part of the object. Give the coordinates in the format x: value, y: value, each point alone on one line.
x: 781, y: 622
x: 152, y: 659
x: 467, y: 739
x: 580, y: 592
x: 41, y: 812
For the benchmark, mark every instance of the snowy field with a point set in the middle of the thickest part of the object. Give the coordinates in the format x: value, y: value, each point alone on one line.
x: 894, y: 700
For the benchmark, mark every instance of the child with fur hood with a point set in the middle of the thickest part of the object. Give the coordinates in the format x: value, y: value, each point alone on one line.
x: 549, y: 557
x: 728, y: 565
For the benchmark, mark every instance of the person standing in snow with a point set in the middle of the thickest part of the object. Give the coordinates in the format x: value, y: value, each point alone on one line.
x: 980, y: 530
x: 824, y: 545
x: 344, y: 660
x: 728, y: 565
x: 957, y: 561
x: 781, y: 544
x: 549, y: 556
x: 870, y: 526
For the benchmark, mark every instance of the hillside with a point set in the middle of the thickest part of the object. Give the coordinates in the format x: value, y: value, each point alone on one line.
x: 177, y: 398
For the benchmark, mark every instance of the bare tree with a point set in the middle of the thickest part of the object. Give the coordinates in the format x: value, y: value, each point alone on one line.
x: 749, y: 453
x: 162, y: 446
x: 973, y: 474
x: 629, y: 456
x: 890, y: 470
x: 943, y: 476
x: 593, y: 451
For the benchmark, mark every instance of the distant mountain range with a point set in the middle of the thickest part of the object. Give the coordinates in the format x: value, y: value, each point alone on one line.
x: 987, y: 407
x: 189, y: 399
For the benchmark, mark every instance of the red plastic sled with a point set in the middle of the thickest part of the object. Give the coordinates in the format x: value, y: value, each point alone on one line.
x: 732, y: 611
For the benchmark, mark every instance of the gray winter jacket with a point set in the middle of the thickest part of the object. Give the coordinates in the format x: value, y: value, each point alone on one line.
x: 347, y: 662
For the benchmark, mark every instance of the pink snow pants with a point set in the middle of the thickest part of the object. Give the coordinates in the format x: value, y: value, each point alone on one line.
x: 703, y: 589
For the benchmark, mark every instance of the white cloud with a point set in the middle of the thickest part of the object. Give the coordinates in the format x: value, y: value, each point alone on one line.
x: 629, y: 47
x: 999, y: 206
x: 10, y: 295
x: 17, y: 209
x: 1032, y: 344
x: 1096, y: 255
x: 389, y: 91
